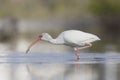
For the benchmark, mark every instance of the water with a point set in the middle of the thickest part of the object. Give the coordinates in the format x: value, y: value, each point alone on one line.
x: 59, y: 66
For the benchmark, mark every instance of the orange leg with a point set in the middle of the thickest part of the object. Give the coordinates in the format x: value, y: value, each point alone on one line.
x: 87, y: 45
x: 77, y: 49
x: 77, y: 53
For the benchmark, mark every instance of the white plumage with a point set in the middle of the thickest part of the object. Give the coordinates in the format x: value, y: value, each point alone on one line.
x: 74, y: 38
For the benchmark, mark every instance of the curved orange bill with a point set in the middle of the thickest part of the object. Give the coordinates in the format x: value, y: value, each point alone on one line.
x: 34, y: 42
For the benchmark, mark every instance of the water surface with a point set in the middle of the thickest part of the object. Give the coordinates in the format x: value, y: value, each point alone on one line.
x: 59, y: 66
x: 70, y: 58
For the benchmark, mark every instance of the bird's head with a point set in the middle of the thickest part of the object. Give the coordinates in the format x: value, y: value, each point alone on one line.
x: 43, y: 36
x: 46, y: 37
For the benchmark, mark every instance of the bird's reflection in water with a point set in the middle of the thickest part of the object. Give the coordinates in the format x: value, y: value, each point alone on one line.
x: 46, y: 71
x: 61, y: 71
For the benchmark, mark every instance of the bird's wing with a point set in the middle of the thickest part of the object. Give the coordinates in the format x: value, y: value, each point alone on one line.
x: 78, y: 37
x: 73, y: 38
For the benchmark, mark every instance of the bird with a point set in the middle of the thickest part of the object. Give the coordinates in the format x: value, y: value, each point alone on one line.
x: 76, y: 39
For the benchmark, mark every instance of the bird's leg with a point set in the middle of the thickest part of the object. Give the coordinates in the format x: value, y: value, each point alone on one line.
x: 77, y: 49
x: 87, y: 45
x: 77, y: 53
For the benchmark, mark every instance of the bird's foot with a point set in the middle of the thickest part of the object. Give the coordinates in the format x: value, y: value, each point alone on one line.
x: 77, y: 53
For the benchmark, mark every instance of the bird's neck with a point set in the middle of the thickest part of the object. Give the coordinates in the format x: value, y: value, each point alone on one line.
x: 55, y: 41
x: 51, y: 40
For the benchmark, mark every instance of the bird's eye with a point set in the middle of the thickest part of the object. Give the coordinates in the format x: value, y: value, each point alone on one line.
x: 40, y: 36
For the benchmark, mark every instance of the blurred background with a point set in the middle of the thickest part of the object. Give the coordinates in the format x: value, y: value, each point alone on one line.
x: 21, y: 21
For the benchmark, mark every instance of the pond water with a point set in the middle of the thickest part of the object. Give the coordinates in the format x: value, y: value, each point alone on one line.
x: 59, y: 66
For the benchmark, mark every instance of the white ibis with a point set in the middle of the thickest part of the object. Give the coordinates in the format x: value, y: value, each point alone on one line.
x: 78, y: 40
